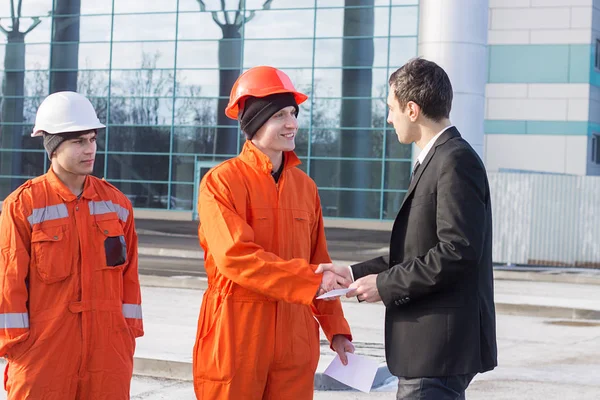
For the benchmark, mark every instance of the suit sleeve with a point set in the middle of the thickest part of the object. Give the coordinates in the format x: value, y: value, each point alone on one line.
x: 461, y: 213
x: 369, y: 267
x: 329, y: 313
x: 15, y: 242
x: 132, y: 298
x: 231, y: 242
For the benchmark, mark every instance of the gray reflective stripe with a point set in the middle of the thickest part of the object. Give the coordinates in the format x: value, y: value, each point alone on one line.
x: 14, y: 320
x: 47, y: 214
x: 105, y: 207
x: 132, y: 311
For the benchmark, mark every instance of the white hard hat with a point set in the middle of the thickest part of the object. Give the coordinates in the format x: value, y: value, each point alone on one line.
x: 63, y: 112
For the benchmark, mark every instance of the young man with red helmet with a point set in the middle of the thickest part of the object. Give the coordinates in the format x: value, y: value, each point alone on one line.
x: 261, y: 228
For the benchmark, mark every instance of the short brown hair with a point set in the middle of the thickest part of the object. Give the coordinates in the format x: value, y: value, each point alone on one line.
x: 425, y: 83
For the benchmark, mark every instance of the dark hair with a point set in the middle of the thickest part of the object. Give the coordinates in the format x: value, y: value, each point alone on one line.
x: 425, y: 83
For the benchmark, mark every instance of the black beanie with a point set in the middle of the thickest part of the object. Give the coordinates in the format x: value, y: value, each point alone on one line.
x: 258, y: 110
x: 52, y: 141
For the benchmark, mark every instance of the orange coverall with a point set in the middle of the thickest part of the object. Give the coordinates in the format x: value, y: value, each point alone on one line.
x: 69, y: 319
x: 257, y: 334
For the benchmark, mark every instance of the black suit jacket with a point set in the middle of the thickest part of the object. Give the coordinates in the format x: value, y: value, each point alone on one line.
x: 437, y: 283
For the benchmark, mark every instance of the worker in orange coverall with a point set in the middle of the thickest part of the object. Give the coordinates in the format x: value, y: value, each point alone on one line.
x: 70, y: 305
x: 261, y: 228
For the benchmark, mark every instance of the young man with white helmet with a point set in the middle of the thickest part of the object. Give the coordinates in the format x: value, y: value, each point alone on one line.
x: 70, y: 302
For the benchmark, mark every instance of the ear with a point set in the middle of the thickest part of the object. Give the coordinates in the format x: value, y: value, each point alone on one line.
x: 414, y: 110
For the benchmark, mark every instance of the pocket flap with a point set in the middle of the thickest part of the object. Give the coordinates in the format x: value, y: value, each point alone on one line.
x: 52, y: 234
x: 302, y: 216
x: 110, y: 228
x: 261, y: 214
x: 422, y: 199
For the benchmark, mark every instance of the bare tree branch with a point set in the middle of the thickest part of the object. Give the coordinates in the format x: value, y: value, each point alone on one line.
x: 238, y: 19
x: 267, y: 5
x: 36, y: 22
x: 238, y: 14
x: 14, y: 17
x: 215, y: 17
x: 250, y: 16
x: 224, y: 8
x: 19, y: 8
x: 4, y: 30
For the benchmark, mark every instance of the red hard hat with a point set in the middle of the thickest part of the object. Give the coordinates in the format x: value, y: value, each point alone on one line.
x: 260, y: 81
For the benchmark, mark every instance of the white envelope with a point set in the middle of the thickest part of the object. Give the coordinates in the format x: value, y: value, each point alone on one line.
x: 358, y: 374
x: 334, y: 293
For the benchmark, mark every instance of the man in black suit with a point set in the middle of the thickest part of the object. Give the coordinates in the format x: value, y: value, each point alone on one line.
x: 437, y: 282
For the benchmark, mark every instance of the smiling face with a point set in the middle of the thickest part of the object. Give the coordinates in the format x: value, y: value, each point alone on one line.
x: 278, y: 133
x: 77, y: 155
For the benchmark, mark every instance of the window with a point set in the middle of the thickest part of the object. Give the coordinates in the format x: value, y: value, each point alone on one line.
x: 597, y: 60
x: 159, y: 74
x: 596, y: 148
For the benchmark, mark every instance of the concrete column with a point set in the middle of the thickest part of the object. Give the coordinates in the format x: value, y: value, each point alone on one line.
x: 453, y: 34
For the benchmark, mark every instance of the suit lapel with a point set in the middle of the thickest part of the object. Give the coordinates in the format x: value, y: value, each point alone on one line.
x: 415, y: 180
x: 449, y: 134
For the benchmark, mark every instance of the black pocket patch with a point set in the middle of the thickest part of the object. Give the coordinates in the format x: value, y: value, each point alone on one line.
x: 115, y: 249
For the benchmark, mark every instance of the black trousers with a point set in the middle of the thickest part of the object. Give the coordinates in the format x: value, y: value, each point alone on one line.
x: 435, y: 388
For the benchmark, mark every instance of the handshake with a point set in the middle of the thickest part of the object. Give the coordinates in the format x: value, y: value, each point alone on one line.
x: 340, y: 277
x: 334, y: 277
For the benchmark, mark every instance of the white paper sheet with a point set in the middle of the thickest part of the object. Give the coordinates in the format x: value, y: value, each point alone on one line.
x: 359, y: 373
x: 334, y: 293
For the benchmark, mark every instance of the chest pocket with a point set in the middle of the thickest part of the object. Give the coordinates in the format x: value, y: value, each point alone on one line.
x: 261, y: 220
x: 50, y: 253
x: 111, y: 244
x: 422, y: 200
x: 302, y: 234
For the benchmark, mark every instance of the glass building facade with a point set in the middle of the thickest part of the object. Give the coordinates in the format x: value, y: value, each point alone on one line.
x: 159, y: 74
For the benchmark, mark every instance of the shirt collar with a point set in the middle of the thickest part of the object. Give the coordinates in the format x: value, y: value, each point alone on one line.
x: 253, y: 156
x: 427, y: 148
x: 89, y: 192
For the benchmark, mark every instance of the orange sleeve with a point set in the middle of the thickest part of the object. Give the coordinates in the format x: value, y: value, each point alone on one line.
x: 132, y: 298
x: 230, y: 241
x: 329, y: 313
x: 15, y: 242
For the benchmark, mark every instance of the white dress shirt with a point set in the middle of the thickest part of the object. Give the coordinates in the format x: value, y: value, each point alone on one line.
x: 429, y: 145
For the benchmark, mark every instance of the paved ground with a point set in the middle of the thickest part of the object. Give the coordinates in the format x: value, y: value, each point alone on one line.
x: 170, y: 248
x: 180, y: 239
x: 540, y: 357
x: 552, y: 356
x: 152, y: 389
x: 191, y: 228
x: 548, y: 329
x: 171, y: 266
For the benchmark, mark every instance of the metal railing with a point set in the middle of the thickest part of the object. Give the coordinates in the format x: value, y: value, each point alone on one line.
x: 546, y: 219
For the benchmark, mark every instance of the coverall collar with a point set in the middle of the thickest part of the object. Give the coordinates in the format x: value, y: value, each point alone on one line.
x: 254, y: 157
x: 63, y: 191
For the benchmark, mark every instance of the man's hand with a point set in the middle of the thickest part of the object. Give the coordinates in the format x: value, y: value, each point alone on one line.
x: 342, y: 345
x: 365, y: 289
x: 341, y: 270
x: 334, y: 277
x: 331, y: 281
